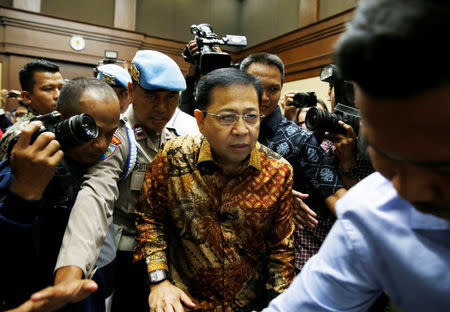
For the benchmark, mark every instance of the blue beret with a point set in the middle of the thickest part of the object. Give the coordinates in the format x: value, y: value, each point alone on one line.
x: 154, y: 70
x: 114, y: 75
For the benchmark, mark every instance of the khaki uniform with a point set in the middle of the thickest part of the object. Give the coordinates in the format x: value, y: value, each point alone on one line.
x: 102, y: 196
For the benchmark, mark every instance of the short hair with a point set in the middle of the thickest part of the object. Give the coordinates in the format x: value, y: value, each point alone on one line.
x: 71, y: 93
x: 26, y: 73
x: 224, y: 77
x: 263, y: 58
x: 390, y: 47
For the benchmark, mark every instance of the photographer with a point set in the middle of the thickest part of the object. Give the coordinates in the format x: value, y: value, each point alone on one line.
x: 41, y: 83
x: 39, y: 183
x: 351, y: 158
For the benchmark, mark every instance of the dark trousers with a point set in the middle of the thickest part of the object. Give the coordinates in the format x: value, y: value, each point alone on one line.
x: 131, y: 284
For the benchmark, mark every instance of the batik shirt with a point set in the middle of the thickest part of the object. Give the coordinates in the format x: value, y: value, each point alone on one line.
x: 227, y: 242
x: 314, y: 174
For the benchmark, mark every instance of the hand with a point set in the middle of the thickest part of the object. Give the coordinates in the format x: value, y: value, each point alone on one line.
x: 69, y: 288
x: 303, y: 215
x: 345, y: 146
x: 34, y: 165
x: 55, y: 297
x: 290, y: 111
x: 167, y: 297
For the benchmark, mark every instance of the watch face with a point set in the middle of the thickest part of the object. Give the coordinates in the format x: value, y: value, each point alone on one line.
x: 157, y: 276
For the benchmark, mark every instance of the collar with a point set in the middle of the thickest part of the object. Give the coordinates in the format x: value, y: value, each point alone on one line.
x: 273, y: 120
x: 206, y: 156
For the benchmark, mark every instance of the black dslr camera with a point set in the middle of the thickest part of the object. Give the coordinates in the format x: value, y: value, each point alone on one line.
x: 304, y: 99
x: 321, y: 121
x: 208, y: 58
x: 70, y: 133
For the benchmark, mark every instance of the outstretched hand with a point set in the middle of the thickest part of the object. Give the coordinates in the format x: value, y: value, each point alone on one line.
x: 303, y: 215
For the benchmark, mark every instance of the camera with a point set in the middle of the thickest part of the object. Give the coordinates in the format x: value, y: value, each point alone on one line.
x: 208, y: 58
x: 304, y: 99
x: 321, y: 121
x: 13, y: 95
x: 70, y: 133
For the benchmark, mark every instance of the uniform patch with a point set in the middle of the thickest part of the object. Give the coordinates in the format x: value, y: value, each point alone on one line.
x: 111, y: 148
x: 138, y: 130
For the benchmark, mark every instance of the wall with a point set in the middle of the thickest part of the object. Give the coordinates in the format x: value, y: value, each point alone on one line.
x: 173, y: 18
x: 332, y: 7
x: 100, y: 12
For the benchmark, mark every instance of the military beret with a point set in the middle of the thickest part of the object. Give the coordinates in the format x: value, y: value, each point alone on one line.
x: 114, y: 75
x: 154, y: 70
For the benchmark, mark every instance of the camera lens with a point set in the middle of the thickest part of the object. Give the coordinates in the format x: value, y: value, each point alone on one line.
x: 320, y: 120
x: 76, y: 130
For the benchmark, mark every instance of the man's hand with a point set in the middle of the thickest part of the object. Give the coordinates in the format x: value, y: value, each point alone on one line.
x: 290, y: 111
x: 303, y: 215
x: 345, y: 146
x: 34, y: 165
x: 167, y: 297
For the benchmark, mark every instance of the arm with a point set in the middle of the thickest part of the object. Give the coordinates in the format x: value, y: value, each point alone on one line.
x: 337, y: 278
x: 87, y: 226
x: 280, y: 242
x: 151, y: 239
x: 345, y: 151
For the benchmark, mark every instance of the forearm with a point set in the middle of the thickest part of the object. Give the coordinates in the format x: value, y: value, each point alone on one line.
x: 331, y: 200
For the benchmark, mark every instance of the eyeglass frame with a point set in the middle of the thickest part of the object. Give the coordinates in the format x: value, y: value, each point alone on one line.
x: 236, y: 117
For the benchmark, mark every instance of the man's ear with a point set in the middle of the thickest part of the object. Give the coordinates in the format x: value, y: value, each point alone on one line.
x: 26, y: 97
x: 200, y: 118
x: 130, y: 91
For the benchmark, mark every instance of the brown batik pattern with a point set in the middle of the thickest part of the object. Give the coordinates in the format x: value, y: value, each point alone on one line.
x: 228, y: 243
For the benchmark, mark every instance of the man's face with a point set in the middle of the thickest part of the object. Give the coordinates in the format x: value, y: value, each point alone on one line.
x: 105, y: 112
x: 409, y: 145
x: 45, y: 92
x: 153, y: 109
x: 231, y: 143
x: 270, y: 77
x: 124, y: 99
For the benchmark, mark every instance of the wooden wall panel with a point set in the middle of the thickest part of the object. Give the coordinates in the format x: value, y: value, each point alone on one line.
x: 25, y: 35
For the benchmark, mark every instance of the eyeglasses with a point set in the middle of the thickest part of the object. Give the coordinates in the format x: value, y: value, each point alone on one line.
x: 227, y: 119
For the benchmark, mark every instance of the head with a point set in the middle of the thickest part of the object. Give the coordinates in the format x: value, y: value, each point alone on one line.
x: 340, y: 90
x: 405, y: 117
x: 154, y: 90
x: 94, y: 97
x: 117, y: 78
x: 270, y: 71
x: 18, y: 113
x: 41, y: 83
x: 229, y: 91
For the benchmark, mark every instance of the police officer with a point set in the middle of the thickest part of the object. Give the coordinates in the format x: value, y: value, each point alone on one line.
x: 113, y: 186
x: 118, y: 78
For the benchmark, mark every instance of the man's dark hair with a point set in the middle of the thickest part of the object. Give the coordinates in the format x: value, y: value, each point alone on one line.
x: 263, y: 58
x: 225, y: 77
x: 71, y: 93
x: 26, y: 73
x: 391, y: 47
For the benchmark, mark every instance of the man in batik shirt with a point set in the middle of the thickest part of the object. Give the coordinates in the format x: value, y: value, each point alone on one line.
x: 215, y: 212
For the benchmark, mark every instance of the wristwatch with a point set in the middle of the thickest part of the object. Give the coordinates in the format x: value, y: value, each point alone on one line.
x: 157, y: 276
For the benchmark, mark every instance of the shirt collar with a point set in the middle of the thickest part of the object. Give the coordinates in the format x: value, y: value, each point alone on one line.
x: 206, y: 155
